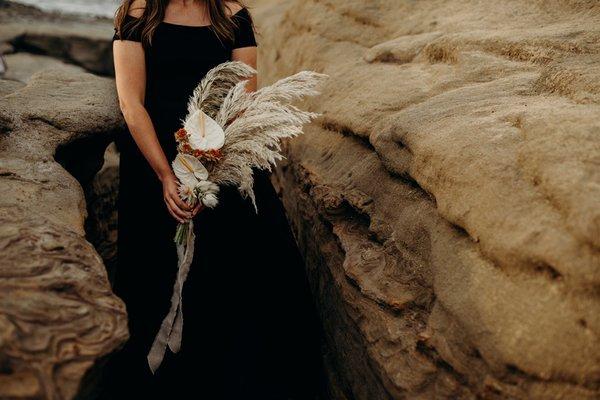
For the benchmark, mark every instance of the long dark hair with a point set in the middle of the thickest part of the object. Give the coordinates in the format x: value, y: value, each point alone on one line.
x: 154, y: 13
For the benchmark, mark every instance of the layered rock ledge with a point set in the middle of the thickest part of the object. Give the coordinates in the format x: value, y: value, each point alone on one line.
x: 77, y: 40
x: 58, y: 315
x: 448, y: 200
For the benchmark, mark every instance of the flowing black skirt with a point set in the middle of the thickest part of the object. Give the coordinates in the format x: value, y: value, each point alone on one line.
x: 250, y: 330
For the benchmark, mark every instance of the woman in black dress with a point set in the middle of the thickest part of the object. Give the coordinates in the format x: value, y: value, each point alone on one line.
x: 249, y: 329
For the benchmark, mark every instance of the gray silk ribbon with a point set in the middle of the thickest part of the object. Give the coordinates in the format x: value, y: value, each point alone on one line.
x: 171, y: 329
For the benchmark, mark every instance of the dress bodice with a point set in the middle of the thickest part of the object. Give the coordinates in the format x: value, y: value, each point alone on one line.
x: 177, y: 59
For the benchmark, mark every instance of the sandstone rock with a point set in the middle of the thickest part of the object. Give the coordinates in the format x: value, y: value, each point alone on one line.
x: 72, y: 44
x: 21, y: 66
x: 78, y: 40
x: 6, y: 48
x: 9, y: 86
x: 58, y: 315
x: 448, y: 200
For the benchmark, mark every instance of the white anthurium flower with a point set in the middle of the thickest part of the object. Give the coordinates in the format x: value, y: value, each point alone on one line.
x: 205, y: 133
x: 189, y: 170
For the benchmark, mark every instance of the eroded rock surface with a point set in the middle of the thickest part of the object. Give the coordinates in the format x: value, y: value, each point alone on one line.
x: 448, y: 200
x: 78, y: 40
x: 58, y: 315
x: 21, y: 66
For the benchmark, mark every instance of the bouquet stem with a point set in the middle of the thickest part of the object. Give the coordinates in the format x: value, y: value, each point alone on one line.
x: 181, y: 233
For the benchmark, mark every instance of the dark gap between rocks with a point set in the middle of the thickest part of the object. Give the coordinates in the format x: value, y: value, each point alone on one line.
x: 84, y: 159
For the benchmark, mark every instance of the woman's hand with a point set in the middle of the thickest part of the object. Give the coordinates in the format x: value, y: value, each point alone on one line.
x: 199, y: 207
x: 178, y: 208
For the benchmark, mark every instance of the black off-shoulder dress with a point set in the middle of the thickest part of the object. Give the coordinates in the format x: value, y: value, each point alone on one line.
x: 249, y: 326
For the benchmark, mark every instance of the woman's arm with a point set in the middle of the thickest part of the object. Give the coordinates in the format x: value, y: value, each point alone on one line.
x: 247, y: 55
x: 130, y: 74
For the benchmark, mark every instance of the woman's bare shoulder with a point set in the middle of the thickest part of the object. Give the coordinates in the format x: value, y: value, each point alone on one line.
x: 233, y: 7
x: 137, y: 8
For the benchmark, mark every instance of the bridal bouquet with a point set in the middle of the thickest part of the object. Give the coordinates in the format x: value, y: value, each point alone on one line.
x: 227, y: 133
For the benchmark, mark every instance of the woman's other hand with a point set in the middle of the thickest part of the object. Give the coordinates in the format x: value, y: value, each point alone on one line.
x: 181, y: 211
x: 199, y: 207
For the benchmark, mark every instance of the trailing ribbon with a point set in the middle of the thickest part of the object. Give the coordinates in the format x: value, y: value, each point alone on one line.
x: 171, y: 329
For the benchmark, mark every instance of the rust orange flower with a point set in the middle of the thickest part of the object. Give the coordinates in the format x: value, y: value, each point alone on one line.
x: 182, y: 138
x: 181, y: 134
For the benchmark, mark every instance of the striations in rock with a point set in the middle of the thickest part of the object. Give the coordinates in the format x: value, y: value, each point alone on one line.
x: 448, y: 200
x: 58, y: 315
x: 78, y: 40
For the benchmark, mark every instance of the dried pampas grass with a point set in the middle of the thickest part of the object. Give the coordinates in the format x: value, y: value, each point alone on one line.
x: 228, y: 133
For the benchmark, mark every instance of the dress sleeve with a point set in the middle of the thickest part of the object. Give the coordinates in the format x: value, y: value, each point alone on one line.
x: 131, y: 30
x: 244, y: 33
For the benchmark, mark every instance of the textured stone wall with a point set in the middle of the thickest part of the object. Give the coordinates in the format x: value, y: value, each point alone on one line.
x: 58, y: 315
x: 448, y: 200
x: 77, y: 40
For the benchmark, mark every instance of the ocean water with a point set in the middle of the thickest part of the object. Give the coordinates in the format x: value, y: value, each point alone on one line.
x: 105, y: 8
